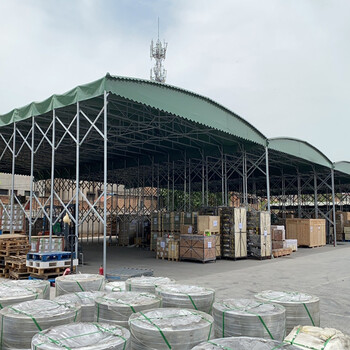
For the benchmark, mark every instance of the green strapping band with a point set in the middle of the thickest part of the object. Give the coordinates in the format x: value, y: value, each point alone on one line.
x: 82, y: 289
x: 98, y: 312
x: 45, y: 289
x: 2, y: 328
x: 26, y: 314
x: 220, y: 346
x: 249, y: 312
x: 99, y: 288
x: 194, y: 305
x: 307, y: 310
x: 160, y: 331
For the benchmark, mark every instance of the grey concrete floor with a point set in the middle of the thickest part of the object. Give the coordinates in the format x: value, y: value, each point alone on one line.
x: 324, y: 272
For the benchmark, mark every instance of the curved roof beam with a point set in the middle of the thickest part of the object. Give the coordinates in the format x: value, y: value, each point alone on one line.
x: 301, y: 149
x: 164, y: 97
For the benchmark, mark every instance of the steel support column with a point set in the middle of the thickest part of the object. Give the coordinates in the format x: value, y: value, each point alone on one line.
x: 31, y: 183
x: 13, y: 176
x: 52, y: 176
x: 315, y: 196
x: 333, y: 201
x: 105, y: 182
x: 267, y: 182
x: 77, y: 180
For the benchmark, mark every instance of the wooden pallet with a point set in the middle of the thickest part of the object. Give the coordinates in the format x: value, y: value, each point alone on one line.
x: 50, y: 264
x: 50, y: 271
x: 47, y: 275
x: 16, y: 275
x: 281, y: 252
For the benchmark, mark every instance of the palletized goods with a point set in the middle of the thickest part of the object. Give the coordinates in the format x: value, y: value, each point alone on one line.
x: 233, y: 233
x: 186, y: 297
x: 20, y: 322
x: 250, y: 318
x: 146, y: 283
x: 79, y: 283
x: 116, y: 286
x: 176, y: 329
x: 208, y: 223
x: 259, y: 233
x: 308, y: 232
x: 117, y: 307
x: 85, y: 299
x: 301, y: 308
x: 87, y: 336
x: 315, y: 338
x: 243, y: 343
x: 197, y: 247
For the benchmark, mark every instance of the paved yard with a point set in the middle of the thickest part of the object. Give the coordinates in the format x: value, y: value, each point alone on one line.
x: 324, y: 272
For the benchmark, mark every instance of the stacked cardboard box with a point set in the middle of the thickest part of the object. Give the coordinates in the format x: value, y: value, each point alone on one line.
x: 259, y: 234
x: 279, y: 245
x: 208, y: 223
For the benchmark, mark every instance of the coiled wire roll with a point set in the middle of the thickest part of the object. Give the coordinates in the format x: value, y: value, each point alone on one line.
x: 87, y: 336
x: 146, y: 284
x: 43, y: 285
x: 79, y: 283
x: 20, y: 322
x: 117, y: 286
x: 243, y: 343
x: 249, y: 318
x: 301, y: 308
x: 12, y: 294
x: 117, y: 307
x: 85, y: 299
x: 186, y: 297
x: 176, y: 329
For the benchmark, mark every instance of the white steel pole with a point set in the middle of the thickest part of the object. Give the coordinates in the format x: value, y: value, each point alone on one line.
x: 76, y: 238
x: 334, y: 220
x: 105, y: 183
x: 31, y: 183
x: 13, y: 175
x: 52, y: 176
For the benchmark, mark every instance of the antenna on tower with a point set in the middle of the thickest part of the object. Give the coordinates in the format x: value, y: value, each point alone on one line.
x: 158, y: 52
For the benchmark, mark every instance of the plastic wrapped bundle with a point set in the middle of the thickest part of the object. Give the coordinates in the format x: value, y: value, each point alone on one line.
x: 85, y: 299
x: 115, y: 286
x: 79, y: 283
x: 249, y: 318
x: 117, y: 307
x: 301, y: 308
x: 316, y: 338
x: 186, y: 297
x: 12, y: 294
x: 87, y: 336
x: 177, y: 329
x: 146, y: 283
x: 43, y: 285
x: 243, y: 343
x: 20, y: 322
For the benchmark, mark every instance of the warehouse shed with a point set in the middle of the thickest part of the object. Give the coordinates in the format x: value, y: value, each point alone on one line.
x: 123, y: 148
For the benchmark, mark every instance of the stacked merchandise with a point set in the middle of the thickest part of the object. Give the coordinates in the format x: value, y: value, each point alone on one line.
x: 41, y: 244
x: 12, y: 249
x: 128, y: 231
x: 233, y: 222
x: 198, y: 247
x: 188, y: 223
x: 18, y: 219
x: 259, y: 234
x: 308, y: 232
x: 112, y: 224
x: 343, y: 225
x: 281, y: 247
x: 167, y: 248
x: 156, y: 229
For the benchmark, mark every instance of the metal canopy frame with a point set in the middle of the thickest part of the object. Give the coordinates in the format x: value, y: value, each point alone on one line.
x: 141, y: 159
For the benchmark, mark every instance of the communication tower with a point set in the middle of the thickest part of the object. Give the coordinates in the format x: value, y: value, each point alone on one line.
x: 158, y: 53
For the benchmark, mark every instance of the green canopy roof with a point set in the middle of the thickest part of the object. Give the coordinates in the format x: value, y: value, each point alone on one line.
x: 342, y: 166
x: 300, y: 149
x: 160, y: 96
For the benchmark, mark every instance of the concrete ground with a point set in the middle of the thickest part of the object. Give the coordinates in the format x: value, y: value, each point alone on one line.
x: 324, y: 272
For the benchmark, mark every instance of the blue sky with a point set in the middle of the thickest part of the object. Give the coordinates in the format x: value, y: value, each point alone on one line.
x: 280, y: 64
